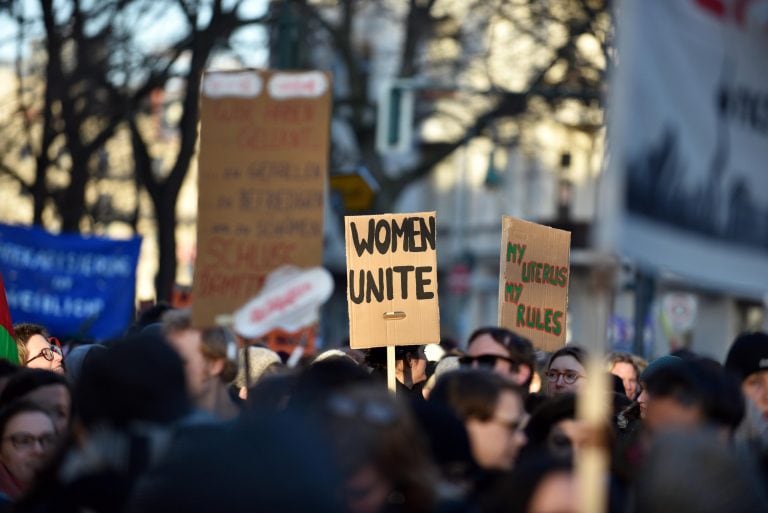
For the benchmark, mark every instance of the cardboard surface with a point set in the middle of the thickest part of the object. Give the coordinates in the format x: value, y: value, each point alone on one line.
x: 392, y: 270
x: 264, y: 146
x: 533, y: 282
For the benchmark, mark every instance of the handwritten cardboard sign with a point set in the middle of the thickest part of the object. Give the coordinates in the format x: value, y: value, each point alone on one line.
x: 392, y: 280
x: 263, y: 163
x: 533, y: 286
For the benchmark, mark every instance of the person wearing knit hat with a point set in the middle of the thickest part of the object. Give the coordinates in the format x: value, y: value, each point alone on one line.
x: 659, y: 365
x: 748, y: 360
x: 261, y: 362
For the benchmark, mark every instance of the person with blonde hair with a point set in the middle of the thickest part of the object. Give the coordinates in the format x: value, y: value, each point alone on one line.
x: 37, y: 349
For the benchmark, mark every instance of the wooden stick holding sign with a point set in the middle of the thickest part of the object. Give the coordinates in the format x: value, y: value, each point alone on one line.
x: 392, y: 282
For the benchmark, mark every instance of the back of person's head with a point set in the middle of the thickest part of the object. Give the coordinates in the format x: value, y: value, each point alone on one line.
x: 697, y: 473
x: 28, y: 380
x: 517, y: 491
x: 218, y: 344
x: 372, y: 430
x: 270, y: 395
x: 547, y: 415
x: 722, y: 400
x: 276, y: 463
x: 319, y: 380
x: 676, y: 381
x: 77, y: 358
x: 472, y: 393
x: 448, y: 440
x: 138, y: 378
x: 748, y: 354
x: 176, y: 319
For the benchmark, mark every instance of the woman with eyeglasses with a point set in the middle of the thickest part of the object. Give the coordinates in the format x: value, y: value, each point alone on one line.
x: 27, y: 441
x: 565, y: 371
x: 37, y: 349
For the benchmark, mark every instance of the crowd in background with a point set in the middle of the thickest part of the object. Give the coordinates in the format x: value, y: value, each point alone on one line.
x: 172, y: 418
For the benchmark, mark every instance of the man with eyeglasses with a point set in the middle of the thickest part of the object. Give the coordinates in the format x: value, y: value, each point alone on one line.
x: 37, y: 349
x: 505, y: 353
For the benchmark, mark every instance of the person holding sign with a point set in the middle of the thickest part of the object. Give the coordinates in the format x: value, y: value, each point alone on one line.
x: 410, y: 368
x: 505, y: 353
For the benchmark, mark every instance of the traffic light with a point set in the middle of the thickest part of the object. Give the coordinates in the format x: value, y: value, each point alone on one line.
x: 394, y: 124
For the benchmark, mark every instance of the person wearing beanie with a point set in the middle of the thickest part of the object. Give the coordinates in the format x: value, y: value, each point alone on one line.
x: 658, y: 365
x: 261, y: 362
x: 747, y: 360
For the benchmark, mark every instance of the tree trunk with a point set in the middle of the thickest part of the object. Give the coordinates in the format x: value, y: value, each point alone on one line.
x: 72, y: 206
x: 165, y: 214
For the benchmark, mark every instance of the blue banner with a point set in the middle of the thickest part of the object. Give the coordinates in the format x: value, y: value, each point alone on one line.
x: 72, y: 285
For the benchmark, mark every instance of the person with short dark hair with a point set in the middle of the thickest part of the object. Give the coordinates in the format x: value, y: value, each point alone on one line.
x: 27, y: 441
x: 49, y: 390
x: 540, y: 484
x: 382, y: 454
x: 504, y: 352
x: 566, y: 370
x: 410, y: 368
x: 491, y: 408
x: 747, y: 362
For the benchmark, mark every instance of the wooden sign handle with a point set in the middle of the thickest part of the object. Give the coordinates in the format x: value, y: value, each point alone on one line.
x: 391, y: 379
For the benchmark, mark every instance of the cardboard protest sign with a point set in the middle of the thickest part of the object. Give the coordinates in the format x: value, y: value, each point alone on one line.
x: 290, y: 300
x: 533, y: 284
x: 264, y: 142
x: 392, y: 280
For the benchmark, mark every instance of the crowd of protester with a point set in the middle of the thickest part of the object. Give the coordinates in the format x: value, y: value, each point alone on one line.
x: 172, y: 418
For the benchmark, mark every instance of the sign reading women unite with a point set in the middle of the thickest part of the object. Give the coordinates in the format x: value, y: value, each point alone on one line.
x: 392, y: 280
x: 533, y: 286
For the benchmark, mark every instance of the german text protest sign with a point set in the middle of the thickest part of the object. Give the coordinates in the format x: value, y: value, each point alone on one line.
x: 264, y: 143
x: 392, y: 280
x: 73, y: 285
x: 533, y: 286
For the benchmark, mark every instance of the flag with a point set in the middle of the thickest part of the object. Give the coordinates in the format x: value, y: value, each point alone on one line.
x: 8, y: 350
